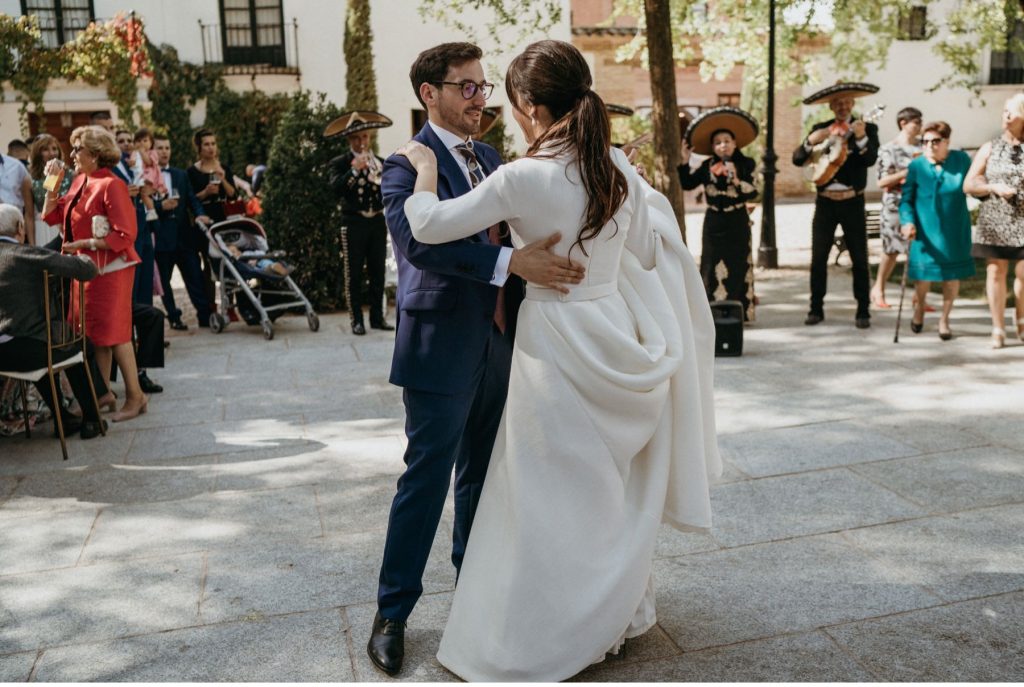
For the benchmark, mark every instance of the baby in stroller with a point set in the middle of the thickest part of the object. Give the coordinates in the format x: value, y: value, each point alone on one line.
x: 251, y: 250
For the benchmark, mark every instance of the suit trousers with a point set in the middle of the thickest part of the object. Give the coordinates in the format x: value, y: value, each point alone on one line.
x: 149, y: 335
x: 142, y: 291
x: 191, y: 273
x: 850, y: 215
x: 22, y: 354
x: 726, y: 239
x: 364, y: 241
x: 444, y: 431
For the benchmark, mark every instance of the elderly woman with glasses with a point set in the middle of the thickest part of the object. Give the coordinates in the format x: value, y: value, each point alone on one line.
x: 997, y: 177
x: 933, y: 210
x: 98, y: 220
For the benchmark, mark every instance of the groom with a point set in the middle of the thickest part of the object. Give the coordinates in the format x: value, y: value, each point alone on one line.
x: 457, y: 308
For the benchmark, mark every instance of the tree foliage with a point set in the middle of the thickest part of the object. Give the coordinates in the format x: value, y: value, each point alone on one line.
x: 176, y: 87
x: 509, y: 21
x: 300, y: 213
x: 360, y: 78
x: 246, y: 123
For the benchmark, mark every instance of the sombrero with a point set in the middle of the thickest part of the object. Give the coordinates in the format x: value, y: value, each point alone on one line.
x: 488, y: 117
x: 847, y: 89
x: 618, y: 110
x: 356, y: 121
x: 741, y: 124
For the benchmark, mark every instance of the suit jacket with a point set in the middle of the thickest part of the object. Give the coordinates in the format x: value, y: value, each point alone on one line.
x: 445, y: 300
x: 854, y: 172
x: 21, y: 285
x: 106, y: 195
x: 175, y: 230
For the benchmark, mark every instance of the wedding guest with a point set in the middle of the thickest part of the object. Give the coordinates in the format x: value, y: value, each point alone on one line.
x: 19, y: 150
x: 98, y: 221
x: 23, y: 324
x: 142, y: 288
x: 893, y: 159
x: 211, y: 182
x: 45, y: 148
x: 16, y: 190
x: 102, y: 119
x: 997, y: 177
x: 933, y: 210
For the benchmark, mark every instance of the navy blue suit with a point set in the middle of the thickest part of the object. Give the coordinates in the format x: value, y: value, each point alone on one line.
x: 176, y: 245
x: 142, y: 290
x: 453, y: 363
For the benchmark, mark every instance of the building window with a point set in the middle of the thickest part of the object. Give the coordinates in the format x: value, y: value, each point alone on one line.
x: 729, y: 99
x: 1007, y: 65
x: 253, y: 32
x: 60, y: 21
x: 914, y: 24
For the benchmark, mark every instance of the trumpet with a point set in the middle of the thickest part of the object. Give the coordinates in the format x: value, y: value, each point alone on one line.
x: 374, y: 170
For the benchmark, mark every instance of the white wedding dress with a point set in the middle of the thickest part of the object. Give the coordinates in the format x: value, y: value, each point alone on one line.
x: 608, y: 429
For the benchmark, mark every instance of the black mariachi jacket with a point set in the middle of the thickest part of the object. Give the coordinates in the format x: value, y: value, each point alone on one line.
x: 854, y: 172
x: 357, y: 192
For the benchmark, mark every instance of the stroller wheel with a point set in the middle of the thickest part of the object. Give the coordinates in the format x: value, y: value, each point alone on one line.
x: 268, y: 331
x: 314, y: 322
x: 217, y: 323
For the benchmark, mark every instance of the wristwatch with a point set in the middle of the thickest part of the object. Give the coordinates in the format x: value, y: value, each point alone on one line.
x: 92, y: 244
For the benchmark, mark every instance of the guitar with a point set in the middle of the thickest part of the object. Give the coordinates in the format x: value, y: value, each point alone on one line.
x: 829, y: 155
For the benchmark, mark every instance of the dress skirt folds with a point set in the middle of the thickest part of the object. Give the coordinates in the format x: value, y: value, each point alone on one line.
x: 108, y: 299
x: 608, y: 431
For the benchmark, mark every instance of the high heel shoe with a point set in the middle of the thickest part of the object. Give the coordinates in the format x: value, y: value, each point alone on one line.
x: 125, y: 415
x: 916, y: 327
x: 108, y: 402
x: 998, y: 337
x: 945, y: 335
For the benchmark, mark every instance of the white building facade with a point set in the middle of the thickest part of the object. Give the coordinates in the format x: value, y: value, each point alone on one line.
x: 277, y: 46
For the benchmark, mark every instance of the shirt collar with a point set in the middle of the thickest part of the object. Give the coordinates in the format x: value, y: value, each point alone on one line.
x: 449, y: 139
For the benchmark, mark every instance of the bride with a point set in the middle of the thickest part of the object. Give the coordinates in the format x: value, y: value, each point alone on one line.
x: 609, y: 427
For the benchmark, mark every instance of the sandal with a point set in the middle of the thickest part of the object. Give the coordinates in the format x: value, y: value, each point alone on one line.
x: 998, y: 337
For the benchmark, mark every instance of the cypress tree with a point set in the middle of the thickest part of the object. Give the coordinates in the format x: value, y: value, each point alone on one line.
x: 360, y: 79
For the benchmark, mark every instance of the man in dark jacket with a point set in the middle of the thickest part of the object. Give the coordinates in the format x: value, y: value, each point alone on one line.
x: 840, y: 198
x: 23, y: 324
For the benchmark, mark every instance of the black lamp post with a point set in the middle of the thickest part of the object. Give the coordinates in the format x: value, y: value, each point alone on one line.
x: 767, y: 253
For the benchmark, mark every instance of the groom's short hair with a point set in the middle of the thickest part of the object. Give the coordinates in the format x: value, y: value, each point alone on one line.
x: 431, y: 66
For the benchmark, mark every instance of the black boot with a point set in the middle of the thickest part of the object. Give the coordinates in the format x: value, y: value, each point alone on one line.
x: 386, y: 647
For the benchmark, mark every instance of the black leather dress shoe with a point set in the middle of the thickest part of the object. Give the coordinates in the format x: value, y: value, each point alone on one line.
x: 358, y: 329
x: 179, y: 325
x: 916, y: 327
x: 386, y: 647
x: 92, y: 429
x: 382, y: 325
x: 862, y: 322
x: 70, y: 424
x: 813, y: 318
x: 148, y: 385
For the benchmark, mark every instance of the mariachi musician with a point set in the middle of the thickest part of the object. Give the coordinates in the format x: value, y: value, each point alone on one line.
x: 840, y: 196
x: 355, y: 178
x: 727, y: 179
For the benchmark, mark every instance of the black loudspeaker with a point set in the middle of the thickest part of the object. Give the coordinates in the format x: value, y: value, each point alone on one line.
x: 728, y: 328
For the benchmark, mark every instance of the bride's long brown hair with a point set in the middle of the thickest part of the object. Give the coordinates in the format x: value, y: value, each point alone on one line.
x: 554, y: 74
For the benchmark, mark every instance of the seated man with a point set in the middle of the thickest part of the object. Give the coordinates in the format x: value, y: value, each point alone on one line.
x: 23, y: 325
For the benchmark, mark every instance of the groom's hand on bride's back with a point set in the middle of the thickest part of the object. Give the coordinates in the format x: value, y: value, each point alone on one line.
x: 535, y: 263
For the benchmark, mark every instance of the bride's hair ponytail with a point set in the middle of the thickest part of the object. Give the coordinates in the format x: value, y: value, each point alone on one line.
x: 555, y: 74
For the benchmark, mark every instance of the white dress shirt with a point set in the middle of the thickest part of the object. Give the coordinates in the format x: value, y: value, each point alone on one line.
x: 451, y: 141
x: 12, y: 176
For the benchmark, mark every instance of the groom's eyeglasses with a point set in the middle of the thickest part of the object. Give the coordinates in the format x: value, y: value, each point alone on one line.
x: 469, y: 89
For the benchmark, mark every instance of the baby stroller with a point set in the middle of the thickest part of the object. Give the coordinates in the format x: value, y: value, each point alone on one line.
x: 259, y: 294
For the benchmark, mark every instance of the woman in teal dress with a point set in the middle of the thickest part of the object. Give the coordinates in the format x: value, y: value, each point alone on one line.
x: 933, y: 211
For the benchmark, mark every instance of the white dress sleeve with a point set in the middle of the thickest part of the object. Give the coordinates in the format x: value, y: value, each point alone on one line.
x: 641, y: 239
x: 434, y: 221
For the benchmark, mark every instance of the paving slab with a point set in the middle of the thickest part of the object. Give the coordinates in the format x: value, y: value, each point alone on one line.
x: 278, y: 577
x: 7, y: 487
x: 107, y: 485
x: 203, y: 522
x: 349, y: 403
x: 759, y: 591
x: 749, y: 414
x: 960, y: 556
x: 41, y: 453
x: 98, y: 602
x: 926, y: 432
x: 43, y: 540
x: 356, y: 505
x: 809, y: 447
x: 17, y: 667
x: 973, y: 641
x: 672, y: 542
x: 798, y: 505
x: 301, y: 647
x: 957, y: 480
x: 219, y: 437
x: 804, y: 657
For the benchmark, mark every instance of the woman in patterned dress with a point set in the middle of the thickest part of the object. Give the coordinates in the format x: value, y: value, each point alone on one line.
x: 997, y: 177
x: 44, y: 149
x: 893, y: 159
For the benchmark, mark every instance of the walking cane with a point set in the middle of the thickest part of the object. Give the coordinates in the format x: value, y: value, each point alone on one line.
x: 903, y: 290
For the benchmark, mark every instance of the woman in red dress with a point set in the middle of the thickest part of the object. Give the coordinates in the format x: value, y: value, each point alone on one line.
x: 97, y: 219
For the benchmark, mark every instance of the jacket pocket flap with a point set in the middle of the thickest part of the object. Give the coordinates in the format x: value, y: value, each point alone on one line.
x: 429, y: 299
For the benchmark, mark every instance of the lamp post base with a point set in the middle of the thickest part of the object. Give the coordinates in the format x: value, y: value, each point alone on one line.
x: 768, y: 257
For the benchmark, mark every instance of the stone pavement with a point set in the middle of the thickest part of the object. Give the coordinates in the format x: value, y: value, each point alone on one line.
x: 869, y: 525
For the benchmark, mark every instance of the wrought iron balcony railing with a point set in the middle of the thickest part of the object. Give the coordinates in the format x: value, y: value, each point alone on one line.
x: 252, y: 49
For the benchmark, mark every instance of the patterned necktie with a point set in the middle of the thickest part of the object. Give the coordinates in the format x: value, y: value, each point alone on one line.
x: 476, y: 176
